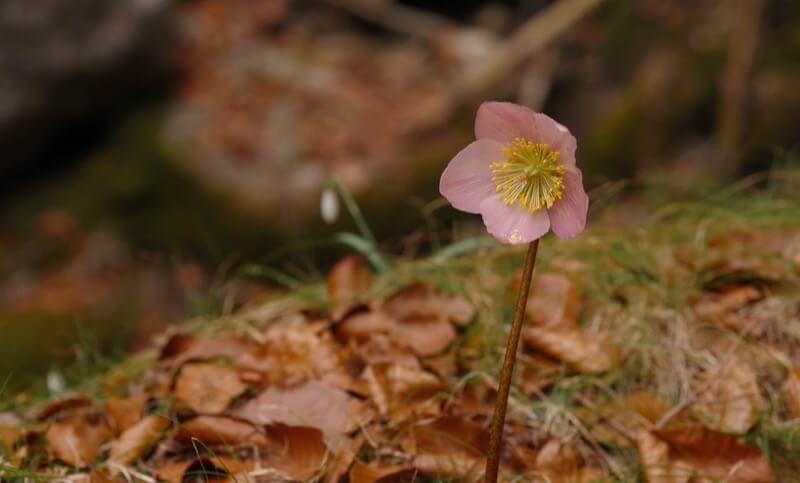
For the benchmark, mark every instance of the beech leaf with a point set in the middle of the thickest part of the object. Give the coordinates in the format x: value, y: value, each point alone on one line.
x: 207, y: 388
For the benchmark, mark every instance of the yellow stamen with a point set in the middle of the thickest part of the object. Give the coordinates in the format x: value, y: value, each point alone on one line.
x: 530, y: 175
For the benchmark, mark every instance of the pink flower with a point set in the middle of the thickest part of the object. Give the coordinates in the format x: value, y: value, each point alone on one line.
x: 520, y: 175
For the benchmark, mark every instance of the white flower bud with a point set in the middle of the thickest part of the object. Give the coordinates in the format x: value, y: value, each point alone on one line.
x: 329, y: 206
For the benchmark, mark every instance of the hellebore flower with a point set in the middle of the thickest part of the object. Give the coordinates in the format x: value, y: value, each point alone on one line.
x: 520, y: 175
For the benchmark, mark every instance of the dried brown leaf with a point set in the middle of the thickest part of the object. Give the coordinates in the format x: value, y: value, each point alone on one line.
x: 339, y: 465
x: 536, y: 373
x: 379, y: 473
x: 622, y: 420
x: 647, y: 405
x: 654, y: 455
x: 223, y: 430
x: 556, y: 457
x: 9, y: 435
x: 205, y: 468
x: 425, y: 335
x: 77, y: 439
x: 291, y: 353
x: 297, y: 451
x: 732, y: 400
x: 137, y: 440
x: 585, y: 353
x: 716, y: 455
x: 448, y: 435
x: 382, y: 349
x: 554, y: 301
x: 361, y: 326
x: 174, y: 472
x: 751, y: 325
x: 125, y: 412
x: 313, y: 404
x: 182, y: 348
x: 422, y: 301
x: 477, y: 399
x: 207, y: 388
x: 791, y: 393
x: 444, y: 365
x: 462, y: 467
x: 66, y: 402
x: 397, y: 389
x: 177, y: 344
x: 347, y: 280
x: 731, y: 299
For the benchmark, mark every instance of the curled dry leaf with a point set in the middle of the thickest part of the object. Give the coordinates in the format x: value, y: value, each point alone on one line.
x: 732, y: 400
x: 445, y: 365
x: 791, y: 393
x: 205, y: 468
x: 9, y: 435
x: 137, y: 440
x: 177, y: 344
x: 536, y: 373
x: 361, y: 326
x: 297, y: 452
x: 458, y: 466
x: 381, y: 349
x: 654, y: 456
x: 379, y: 473
x: 585, y: 353
x: 731, y: 299
x: 396, y: 389
x: 450, y: 447
x: 347, y: 280
x: 212, y: 430
x: 556, y: 457
x: 554, y: 301
x: 623, y: 420
x: 292, y: 352
x: 717, y: 456
x: 475, y: 399
x: 312, y: 404
x: 66, y: 402
x: 420, y: 300
x: 207, y: 388
x: 182, y: 348
x: 448, y: 435
x: 647, y: 405
x: 425, y: 335
x: 339, y: 464
x: 77, y: 439
x: 125, y: 412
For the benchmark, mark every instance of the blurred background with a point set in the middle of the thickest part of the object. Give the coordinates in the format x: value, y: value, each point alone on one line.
x: 152, y: 150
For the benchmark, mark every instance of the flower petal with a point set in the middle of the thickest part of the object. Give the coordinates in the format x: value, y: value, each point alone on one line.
x: 467, y: 180
x: 513, y: 224
x: 504, y: 122
x: 568, y: 215
x: 558, y: 137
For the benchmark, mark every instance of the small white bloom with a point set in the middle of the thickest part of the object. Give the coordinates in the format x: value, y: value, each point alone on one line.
x: 55, y: 382
x: 329, y: 206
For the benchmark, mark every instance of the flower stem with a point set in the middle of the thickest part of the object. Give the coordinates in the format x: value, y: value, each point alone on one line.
x: 499, y: 418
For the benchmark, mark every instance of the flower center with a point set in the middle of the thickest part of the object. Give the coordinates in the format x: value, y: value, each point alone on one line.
x: 530, y: 175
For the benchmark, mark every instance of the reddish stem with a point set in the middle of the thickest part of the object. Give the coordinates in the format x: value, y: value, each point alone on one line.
x: 499, y: 418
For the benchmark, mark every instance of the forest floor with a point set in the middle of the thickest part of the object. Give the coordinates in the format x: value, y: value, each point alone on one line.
x: 668, y: 350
